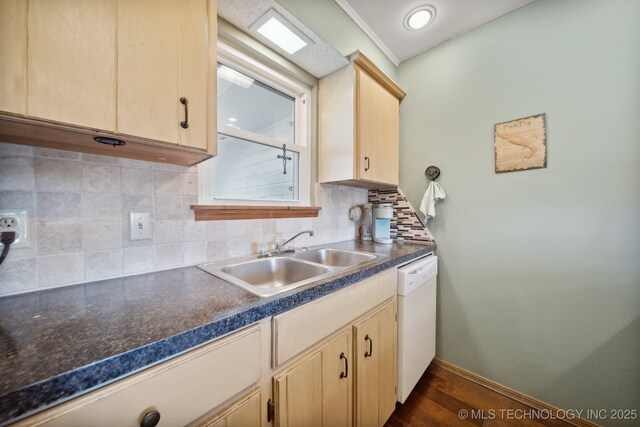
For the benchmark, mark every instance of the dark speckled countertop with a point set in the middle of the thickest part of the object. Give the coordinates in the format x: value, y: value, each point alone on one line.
x: 57, y: 344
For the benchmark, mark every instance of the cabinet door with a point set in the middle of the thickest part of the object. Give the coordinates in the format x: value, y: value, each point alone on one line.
x: 376, y: 367
x: 163, y: 55
x: 194, y: 55
x: 387, y: 363
x: 13, y: 51
x: 148, y: 67
x: 368, y: 353
x: 72, y: 62
x: 244, y: 412
x: 337, y: 371
x: 318, y: 390
x: 246, y: 415
x: 299, y: 394
x: 378, y: 118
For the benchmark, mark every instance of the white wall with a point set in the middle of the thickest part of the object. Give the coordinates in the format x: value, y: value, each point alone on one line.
x: 79, y: 208
x: 539, y: 284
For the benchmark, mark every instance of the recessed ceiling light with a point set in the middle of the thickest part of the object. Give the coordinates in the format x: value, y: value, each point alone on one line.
x: 419, y: 17
x: 282, y: 33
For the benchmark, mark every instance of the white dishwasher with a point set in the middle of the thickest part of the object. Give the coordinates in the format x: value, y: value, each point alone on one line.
x: 416, y: 321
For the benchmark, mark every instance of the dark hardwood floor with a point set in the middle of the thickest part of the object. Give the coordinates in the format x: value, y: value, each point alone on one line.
x: 443, y: 398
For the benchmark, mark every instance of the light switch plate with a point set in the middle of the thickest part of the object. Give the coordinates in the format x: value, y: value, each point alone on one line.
x: 140, y: 226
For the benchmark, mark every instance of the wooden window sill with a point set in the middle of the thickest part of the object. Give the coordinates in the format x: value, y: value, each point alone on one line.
x: 211, y: 212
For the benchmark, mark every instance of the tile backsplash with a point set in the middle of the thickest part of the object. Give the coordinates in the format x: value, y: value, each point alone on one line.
x: 78, y: 211
x: 405, y: 224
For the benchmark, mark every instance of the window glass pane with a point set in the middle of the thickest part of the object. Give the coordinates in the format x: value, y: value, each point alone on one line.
x: 247, y: 104
x: 250, y: 170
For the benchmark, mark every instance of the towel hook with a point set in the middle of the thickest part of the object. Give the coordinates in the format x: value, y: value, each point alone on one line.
x: 432, y: 172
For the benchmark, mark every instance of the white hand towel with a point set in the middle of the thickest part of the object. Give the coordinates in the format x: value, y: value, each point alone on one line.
x: 431, y: 196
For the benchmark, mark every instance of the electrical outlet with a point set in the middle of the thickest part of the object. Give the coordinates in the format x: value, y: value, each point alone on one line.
x: 8, y: 223
x: 16, y: 220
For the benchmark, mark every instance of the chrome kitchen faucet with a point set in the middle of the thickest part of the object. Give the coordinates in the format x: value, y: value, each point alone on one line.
x: 278, y: 247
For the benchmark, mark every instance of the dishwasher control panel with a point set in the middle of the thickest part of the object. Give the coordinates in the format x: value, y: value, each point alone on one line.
x: 412, y: 275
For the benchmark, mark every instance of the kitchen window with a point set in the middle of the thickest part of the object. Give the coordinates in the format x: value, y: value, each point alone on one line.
x: 263, y: 137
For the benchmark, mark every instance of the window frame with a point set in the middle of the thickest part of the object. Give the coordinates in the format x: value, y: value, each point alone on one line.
x: 301, y: 93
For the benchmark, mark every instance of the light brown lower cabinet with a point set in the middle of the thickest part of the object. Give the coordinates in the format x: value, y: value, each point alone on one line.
x: 317, y: 390
x: 245, y: 412
x: 350, y: 378
x: 180, y: 390
x: 375, y: 347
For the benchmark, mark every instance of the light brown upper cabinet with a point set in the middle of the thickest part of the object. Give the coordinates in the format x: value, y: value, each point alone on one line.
x: 141, y: 71
x: 71, y: 62
x: 162, y: 70
x: 359, y: 126
x: 13, y: 54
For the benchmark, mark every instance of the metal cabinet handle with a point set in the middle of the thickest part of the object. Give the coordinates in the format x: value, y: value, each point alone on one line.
x: 184, y: 101
x: 346, y: 366
x: 368, y: 164
x: 150, y: 419
x: 271, y: 410
x: 370, y: 352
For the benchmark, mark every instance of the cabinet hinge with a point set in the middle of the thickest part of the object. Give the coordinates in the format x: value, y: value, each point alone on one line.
x: 271, y: 410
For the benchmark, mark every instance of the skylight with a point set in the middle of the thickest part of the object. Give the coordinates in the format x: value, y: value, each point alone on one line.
x: 282, y: 33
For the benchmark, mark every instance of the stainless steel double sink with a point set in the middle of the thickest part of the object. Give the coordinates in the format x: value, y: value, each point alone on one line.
x: 280, y: 273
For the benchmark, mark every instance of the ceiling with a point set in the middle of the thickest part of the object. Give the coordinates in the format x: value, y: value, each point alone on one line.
x: 319, y: 59
x: 383, y: 21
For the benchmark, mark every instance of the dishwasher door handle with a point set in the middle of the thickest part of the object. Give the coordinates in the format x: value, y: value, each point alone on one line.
x: 417, y: 270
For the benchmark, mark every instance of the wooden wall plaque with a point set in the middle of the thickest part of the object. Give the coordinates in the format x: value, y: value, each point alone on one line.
x: 521, y: 144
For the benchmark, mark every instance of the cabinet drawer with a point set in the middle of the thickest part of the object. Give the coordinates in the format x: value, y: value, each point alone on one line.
x: 304, y: 326
x: 181, y: 389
